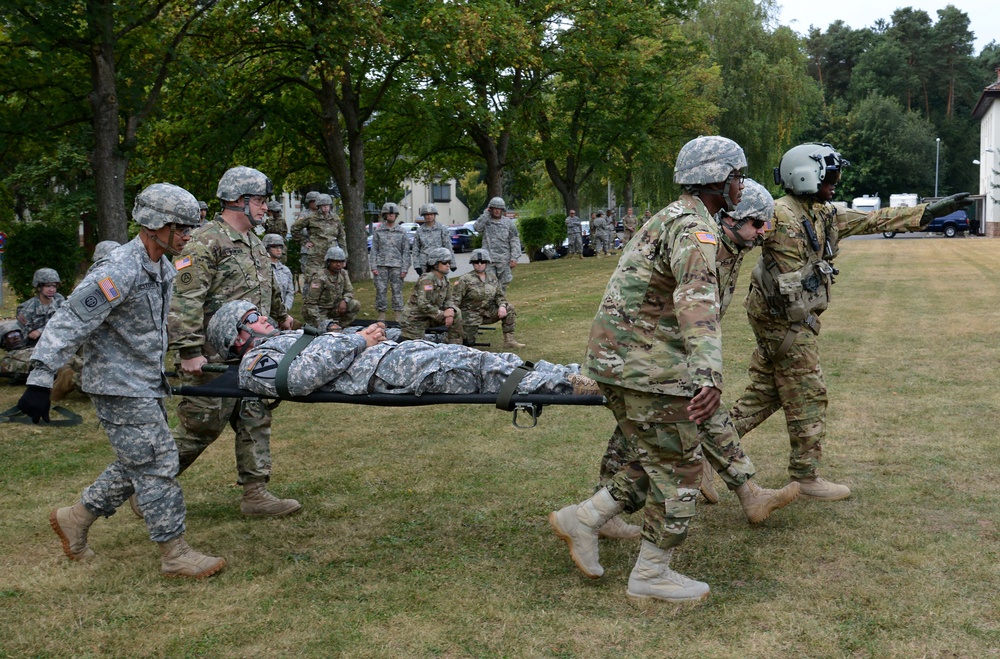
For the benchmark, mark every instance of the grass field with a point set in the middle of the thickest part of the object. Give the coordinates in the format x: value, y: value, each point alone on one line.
x: 424, y: 530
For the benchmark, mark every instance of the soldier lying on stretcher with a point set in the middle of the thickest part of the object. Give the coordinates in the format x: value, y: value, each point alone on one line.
x: 366, y: 362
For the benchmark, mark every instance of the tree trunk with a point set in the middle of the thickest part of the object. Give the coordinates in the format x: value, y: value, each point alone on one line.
x: 495, y: 155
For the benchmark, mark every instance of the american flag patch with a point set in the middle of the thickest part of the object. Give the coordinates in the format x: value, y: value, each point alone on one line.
x: 109, y: 289
x: 428, y: 287
x: 182, y: 263
x: 704, y: 237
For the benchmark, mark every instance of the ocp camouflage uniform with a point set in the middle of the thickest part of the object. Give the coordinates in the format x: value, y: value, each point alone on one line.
x: 285, y: 281
x: 654, y: 344
x: 336, y: 362
x: 629, y: 224
x: 426, y: 238
x: 501, y: 240
x: 425, y: 309
x: 480, y: 301
x: 599, y: 234
x: 324, y: 294
x: 574, y: 234
x: 324, y: 232
x: 15, y: 365
x: 390, y: 257
x: 118, y: 314
x: 275, y: 225
x: 32, y: 315
x: 795, y: 381
x: 216, y: 266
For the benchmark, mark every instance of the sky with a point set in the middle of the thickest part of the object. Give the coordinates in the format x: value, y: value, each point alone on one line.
x: 984, y: 15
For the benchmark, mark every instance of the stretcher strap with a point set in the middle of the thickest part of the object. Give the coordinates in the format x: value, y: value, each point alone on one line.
x: 509, y: 386
x: 281, y: 376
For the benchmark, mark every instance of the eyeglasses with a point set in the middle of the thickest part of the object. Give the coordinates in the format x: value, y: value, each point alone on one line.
x: 182, y: 229
x: 257, y: 199
x: 742, y: 176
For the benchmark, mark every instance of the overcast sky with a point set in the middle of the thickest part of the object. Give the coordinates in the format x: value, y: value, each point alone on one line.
x: 984, y: 15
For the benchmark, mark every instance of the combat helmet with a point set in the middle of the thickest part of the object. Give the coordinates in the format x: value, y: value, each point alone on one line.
x: 273, y: 240
x: 427, y: 209
x: 497, y: 202
x: 756, y: 203
x: 312, y: 195
x: 438, y: 255
x: 389, y: 207
x: 45, y: 276
x: 335, y: 254
x: 10, y: 335
x: 274, y: 207
x: 104, y: 248
x: 161, y: 204
x: 479, y: 254
x: 241, y: 183
x: 804, y: 167
x: 225, y: 326
x: 709, y: 159
x: 202, y: 205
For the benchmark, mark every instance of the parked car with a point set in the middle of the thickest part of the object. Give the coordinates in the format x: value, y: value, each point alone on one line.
x: 410, y: 228
x: 950, y: 225
x: 461, y: 239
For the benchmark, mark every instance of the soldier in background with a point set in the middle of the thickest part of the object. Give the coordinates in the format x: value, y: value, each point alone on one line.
x: 202, y: 212
x: 629, y: 224
x: 301, y: 235
x: 119, y: 314
x: 274, y: 222
x: 430, y: 303
x: 646, y: 217
x: 428, y: 236
x: 33, y: 314
x: 574, y: 235
x: 790, y: 288
x: 390, y: 261
x: 319, y: 232
x: 275, y: 246
x: 16, y: 362
x: 480, y: 298
x: 330, y: 295
x: 500, y: 239
x: 226, y: 261
x: 599, y: 235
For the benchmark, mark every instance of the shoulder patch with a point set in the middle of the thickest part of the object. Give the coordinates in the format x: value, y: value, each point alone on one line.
x: 109, y: 289
x: 90, y: 302
x: 263, y: 367
x: 705, y: 237
x: 315, y: 284
x: 182, y: 263
x: 428, y: 287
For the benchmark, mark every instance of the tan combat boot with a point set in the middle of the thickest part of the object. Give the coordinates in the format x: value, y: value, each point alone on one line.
x: 758, y: 503
x: 652, y: 578
x: 617, y: 529
x: 177, y: 559
x: 578, y: 525
x: 817, y: 488
x: 63, y: 385
x: 510, y: 342
x: 258, y: 501
x: 707, y: 488
x: 71, y: 525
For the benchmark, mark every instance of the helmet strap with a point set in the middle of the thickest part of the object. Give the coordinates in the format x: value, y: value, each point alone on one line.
x: 165, y: 246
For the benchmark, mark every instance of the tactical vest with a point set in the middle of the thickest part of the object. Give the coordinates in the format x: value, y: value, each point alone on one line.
x: 801, y: 293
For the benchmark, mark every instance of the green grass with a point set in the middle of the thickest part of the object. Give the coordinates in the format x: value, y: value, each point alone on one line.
x: 423, y: 531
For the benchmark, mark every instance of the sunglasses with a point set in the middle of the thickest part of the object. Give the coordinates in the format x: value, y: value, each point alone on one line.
x: 251, y: 318
x: 758, y: 224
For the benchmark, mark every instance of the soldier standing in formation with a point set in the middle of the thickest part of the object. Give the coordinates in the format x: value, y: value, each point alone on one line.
x: 790, y: 288
x: 389, y: 261
x: 226, y: 261
x: 319, y: 231
x: 599, y: 234
x: 275, y: 246
x: 274, y: 222
x: 301, y: 235
x: 574, y: 235
x: 202, y: 212
x: 629, y: 224
x: 109, y: 315
x: 431, y: 303
x: 660, y: 367
x: 480, y: 298
x: 32, y: 314
x: 430, y: 235
x: 330, y: 295
x: 500, y: 239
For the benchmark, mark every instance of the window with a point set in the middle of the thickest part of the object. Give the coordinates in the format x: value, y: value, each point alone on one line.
x: 441, y: 192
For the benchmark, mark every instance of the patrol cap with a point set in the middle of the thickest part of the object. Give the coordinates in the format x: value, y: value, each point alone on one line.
x: 104, y: 248
x: 273, y: 240
x: 479, y: 255
x: 335, y: 254
x: 161, y: 204
x: 708, y: 159
x: 242, y: 181
x: 45, y: 276
x: 224, y: 327
x: 438, y: 255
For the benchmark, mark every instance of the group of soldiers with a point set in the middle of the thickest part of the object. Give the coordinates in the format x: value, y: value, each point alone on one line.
x: 603, y: 231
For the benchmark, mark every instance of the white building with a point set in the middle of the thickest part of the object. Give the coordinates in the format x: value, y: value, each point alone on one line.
x: 440, y: 192
x: 988, y: 114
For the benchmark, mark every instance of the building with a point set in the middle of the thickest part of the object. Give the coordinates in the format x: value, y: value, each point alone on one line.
x: 988, y: 114
x: 440, y: 192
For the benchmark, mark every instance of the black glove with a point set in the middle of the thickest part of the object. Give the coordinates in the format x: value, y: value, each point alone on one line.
x: 35, y: 403
x: 947, y: 205
x: 419, y: 271
x: 453, y: 268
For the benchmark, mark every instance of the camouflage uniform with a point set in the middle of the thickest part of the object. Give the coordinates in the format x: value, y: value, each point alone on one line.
x: 16, y: 364
x: 118, y: 314
x: 480, y: 301
x: 429, y: 237
x: 390, y: 258
x: 795, y: 381
x: 324, y: 232
x: 285, y: 281
x: 574, y: 233
x: 501, y: 240
x: 274, y: 224
x: 341, y: 363
x: 32, y: 315
x: 629, y: 224
x: 219, y: 265
x: 430, y: 297
x: 599, y: 234
x: 325, y: 293
x: 654, y: 344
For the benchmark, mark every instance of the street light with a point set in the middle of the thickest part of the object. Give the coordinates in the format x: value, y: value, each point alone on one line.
x: 937, y: 166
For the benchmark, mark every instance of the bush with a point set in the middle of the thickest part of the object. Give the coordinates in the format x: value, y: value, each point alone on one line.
x: 537, y: 232
x: 35, y: 245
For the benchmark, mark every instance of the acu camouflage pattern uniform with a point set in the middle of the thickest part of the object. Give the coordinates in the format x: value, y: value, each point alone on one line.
x: 574, y: 233
x: 480, y: 301
x: 426, y: 238
x: 285, y: 281
x: 16, y: 364
x: 324, y: 232
x: 502, y: 241
x: 599, y: 234
x: 324, y: 293
x: 337, y: 362
x: 390, y: 256
x: 425, y: 309
x: 118, y: 314
x: 795, y: 382
x: 32, y: 315
x: 216, y: 266
x: 655, y: 342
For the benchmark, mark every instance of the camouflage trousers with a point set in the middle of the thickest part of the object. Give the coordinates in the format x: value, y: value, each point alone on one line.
x: 145, y: 463
x: 667, y: 468
x: 627, y: 236
x: 473, y: 318
x: 202, y: 420
x: 388, y: 277
x: 501, y: 269
x: 719, y: 442
x: 599, y: 242
x: 575, y: 243
x: 346, y: 318
x: 793, y: 383
x: 415, y: 326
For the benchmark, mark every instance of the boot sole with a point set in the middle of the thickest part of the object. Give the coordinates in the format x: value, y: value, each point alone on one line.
x: 815, y: 498
x: 779, y: 507
x: 281, y: 514
x: 54, y: 523
x: 568, y: 539
x: 201, y: 575
x: 646, y: 599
